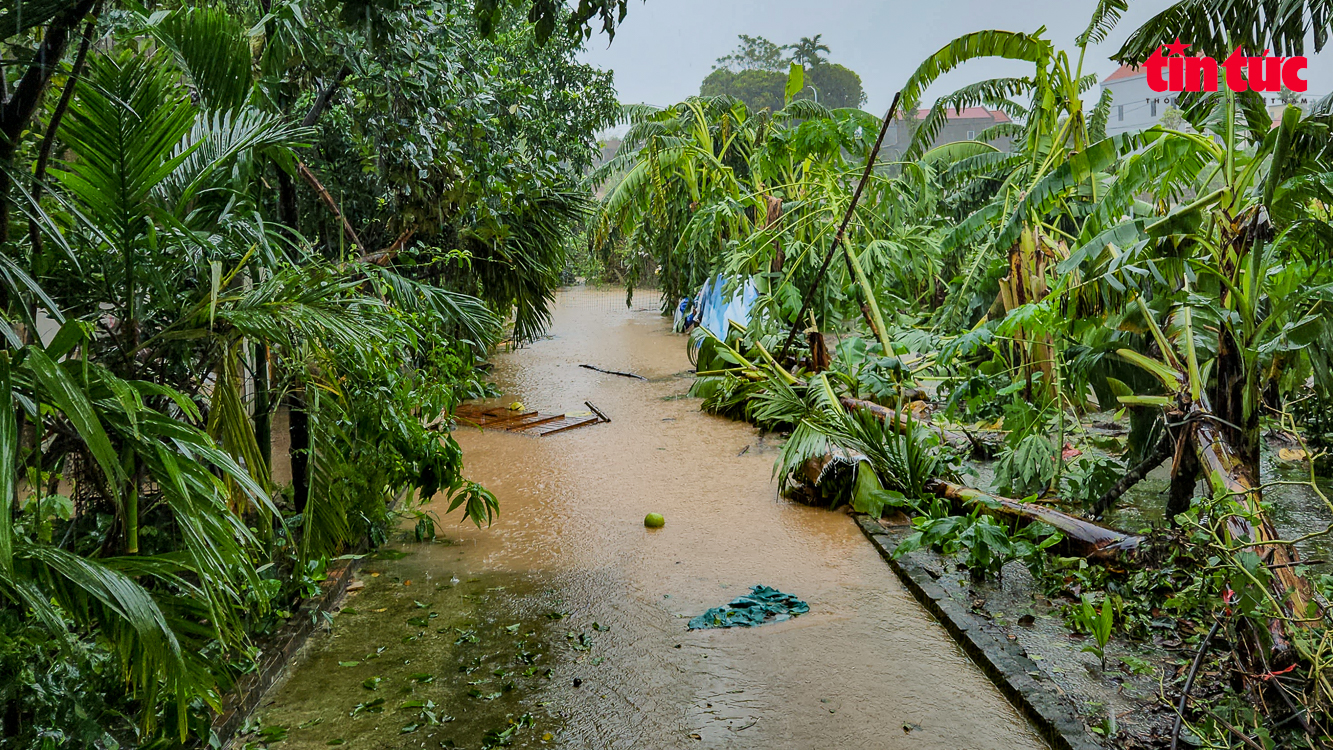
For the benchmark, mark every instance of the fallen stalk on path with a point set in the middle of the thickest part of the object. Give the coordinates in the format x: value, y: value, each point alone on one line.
x: 615, y: 372
x: 1082, y: 538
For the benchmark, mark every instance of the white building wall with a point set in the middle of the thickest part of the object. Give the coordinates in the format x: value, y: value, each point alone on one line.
x: 1134, y: 106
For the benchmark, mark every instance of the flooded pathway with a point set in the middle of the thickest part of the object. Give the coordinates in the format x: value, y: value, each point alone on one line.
x: 563, y: 625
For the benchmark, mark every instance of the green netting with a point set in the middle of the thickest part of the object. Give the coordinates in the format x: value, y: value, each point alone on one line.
x: 763, y: 604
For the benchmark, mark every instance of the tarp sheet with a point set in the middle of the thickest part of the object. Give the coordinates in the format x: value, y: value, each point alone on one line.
x: 763, y: 604
x: 718, y: 309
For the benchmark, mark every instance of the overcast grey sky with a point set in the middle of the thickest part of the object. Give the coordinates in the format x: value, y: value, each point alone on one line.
x: 666, y: 47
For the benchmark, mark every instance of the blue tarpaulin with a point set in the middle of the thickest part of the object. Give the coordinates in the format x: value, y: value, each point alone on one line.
x: 763, y: 604
x: 718, y: 308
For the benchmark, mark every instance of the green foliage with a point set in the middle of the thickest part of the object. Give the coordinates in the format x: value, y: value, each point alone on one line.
x: 1088, y: 478
x: 1028, y: 462
x: 158, y: 243
x: 757, y: 73
x: 988, y: 545
x: 1097, y: 624
x: 67, y: 687
x: 489, y: 209
x: 755, y: 53
x: 836, y: 86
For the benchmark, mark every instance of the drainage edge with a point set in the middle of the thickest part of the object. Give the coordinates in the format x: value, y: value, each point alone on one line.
x: 1005, y: 663
x: 240, y: 703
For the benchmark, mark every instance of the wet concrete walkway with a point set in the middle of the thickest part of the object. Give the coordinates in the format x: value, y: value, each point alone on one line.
x: 569, y: 586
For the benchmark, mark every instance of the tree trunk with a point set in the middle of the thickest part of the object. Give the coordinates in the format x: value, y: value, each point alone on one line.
x: 772, y: 214
x: 324, y: 97
x: 1082, y: 538
x: 49, y: 139
x: 1026, y: 283
x: 1235, y: 399
x: 298, y: 422
x: 16, y: 112
x: 263, y: 416
x: 1184, y: 475
x: 288, y: 215
x: 819, y: 356
x: 1227, y: 472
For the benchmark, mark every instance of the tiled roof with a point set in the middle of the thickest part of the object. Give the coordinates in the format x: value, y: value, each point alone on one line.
x: 1125, y: 71
x: 968, y: 113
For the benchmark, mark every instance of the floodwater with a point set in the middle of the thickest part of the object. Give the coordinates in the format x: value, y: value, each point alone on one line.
x: 563, y: 624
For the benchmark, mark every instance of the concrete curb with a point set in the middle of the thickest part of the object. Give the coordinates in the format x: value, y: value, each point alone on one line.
x: 1005, y: 663
x: 239, y: 703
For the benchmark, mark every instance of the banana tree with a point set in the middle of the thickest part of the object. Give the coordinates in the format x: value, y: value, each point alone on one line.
x: 1247, y: 252
x: 1023, y: 206
x: 1233, y: 255
x: 681, y: 186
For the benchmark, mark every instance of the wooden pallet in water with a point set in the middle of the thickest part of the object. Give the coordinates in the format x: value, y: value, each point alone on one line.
x: 526, y: 422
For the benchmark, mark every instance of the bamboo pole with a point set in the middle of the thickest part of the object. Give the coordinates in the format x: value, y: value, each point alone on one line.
x: 842, y: 228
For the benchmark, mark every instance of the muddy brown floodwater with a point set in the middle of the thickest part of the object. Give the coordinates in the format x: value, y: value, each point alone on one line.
x: 563, y: 625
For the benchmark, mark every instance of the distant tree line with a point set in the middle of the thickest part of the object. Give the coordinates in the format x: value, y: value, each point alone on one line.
x: 756, y: 73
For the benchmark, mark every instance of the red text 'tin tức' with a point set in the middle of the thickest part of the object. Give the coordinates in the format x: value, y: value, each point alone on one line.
x: 1175, y: 72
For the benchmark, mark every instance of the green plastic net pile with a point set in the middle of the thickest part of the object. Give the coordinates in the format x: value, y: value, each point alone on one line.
x: 763, y: 604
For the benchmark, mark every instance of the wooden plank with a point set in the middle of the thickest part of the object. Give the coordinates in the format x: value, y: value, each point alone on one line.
x: 504, y: 421
x: 570, y: 425
x: 540, y: 420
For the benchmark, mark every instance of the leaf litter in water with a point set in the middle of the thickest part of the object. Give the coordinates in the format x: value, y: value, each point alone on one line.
x: 369, y: 707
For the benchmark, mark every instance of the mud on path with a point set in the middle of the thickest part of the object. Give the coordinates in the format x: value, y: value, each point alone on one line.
x: 568, y: 586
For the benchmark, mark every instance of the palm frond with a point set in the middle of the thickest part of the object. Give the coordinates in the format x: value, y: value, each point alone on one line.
x: 212, y: 47
x: 1104, y: 18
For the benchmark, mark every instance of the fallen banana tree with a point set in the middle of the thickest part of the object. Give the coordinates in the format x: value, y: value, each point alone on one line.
x: 1082, y: 538
x: 983, y: 444
x: 1229, y: 477
x: 1292, y: 593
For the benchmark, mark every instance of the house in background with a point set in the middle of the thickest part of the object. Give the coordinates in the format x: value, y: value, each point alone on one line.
x: 1135, y: 106
x: 959, y: 126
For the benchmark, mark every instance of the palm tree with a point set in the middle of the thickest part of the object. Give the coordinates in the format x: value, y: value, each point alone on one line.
x: 806, y: 51
x: 165, y: 271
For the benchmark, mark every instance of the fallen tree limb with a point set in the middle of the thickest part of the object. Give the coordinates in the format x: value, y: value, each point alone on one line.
x: 1082, y: 538
x: 385, y: 257
x: 1160, y: 453
x: 328, y: 201
x: 615, y: 372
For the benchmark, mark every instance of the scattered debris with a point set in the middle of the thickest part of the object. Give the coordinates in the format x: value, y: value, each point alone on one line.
x: 527, y: 422
x: 597, y: 411
x: 762, y: 605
